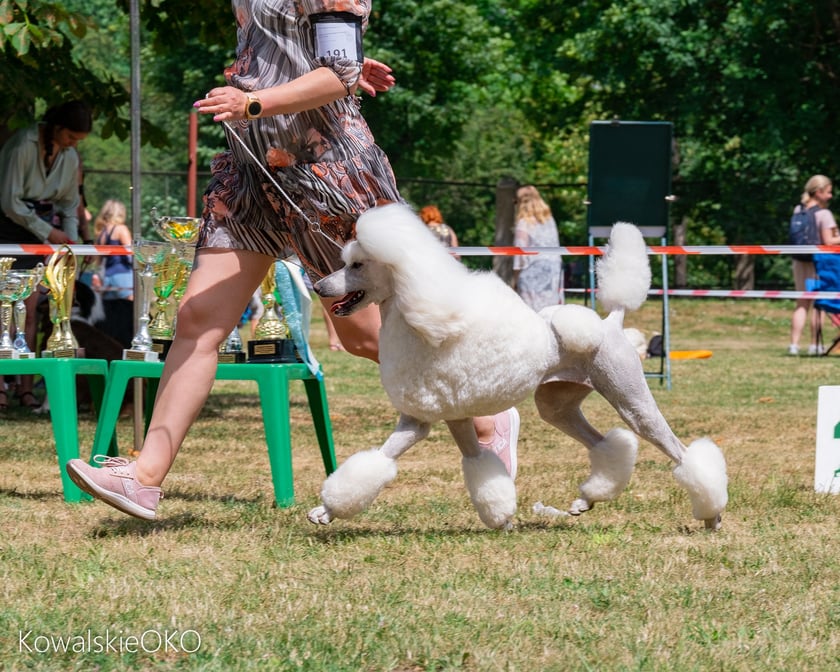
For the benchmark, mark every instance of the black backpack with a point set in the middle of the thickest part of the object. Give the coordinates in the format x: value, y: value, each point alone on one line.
x: 803, y: 230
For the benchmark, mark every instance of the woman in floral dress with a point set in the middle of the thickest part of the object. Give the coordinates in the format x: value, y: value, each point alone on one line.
x: 538, y: 279
x: 290, y: 110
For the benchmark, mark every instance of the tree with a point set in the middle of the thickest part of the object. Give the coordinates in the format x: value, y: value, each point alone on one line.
x: 750, y: 88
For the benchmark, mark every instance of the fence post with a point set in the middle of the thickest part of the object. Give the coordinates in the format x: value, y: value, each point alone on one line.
x: 505, y: 213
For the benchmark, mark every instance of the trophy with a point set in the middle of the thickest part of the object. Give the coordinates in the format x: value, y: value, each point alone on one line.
x: 180, y: 231
x: 271, y: 337
x: 230, y: 351
x: 31, y: 278
x: 10, y: 286
x: 60, y: 277
x: 147, y: 253
x: 167, y: 273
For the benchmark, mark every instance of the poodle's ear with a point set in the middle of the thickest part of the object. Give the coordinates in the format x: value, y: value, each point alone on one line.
x: 424, y: 274
x: 428, y: 305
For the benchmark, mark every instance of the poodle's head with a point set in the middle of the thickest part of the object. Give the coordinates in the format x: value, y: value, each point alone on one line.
x: 362, y: 281
x: 396, y: 255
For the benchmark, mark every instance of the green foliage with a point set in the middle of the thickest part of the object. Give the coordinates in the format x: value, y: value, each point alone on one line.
x: 496, y: 88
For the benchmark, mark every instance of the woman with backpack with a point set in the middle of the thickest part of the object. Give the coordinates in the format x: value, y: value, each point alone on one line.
x: 812, y: 214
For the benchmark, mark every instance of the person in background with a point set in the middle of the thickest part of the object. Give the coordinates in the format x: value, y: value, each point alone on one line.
x: 39, y: 198
x: 430, y: 214
x: 293, y: 114
x: 818, y: 192
x: 537, y: 279
x: 117, y: 273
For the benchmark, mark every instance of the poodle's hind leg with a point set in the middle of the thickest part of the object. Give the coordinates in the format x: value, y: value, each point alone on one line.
x: 352, y: 487
x: 700, y: 468
x: 611, y: 457
x: 492, y: 490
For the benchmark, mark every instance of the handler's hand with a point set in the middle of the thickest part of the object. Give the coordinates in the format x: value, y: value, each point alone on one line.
x: 58, y: 237
x: 225, y: 103
x: 376, y: 76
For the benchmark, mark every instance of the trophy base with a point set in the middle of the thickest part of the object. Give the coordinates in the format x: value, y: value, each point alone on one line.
x: 25, y: 355
x: 231, y: 357
x: 8, y: 353
x: 161, y: 346
x: 64, y: 353
x: 141, y: 355
x: 273, y: 351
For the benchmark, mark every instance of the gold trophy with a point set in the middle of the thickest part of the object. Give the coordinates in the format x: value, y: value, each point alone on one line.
x: 180, y: 231
x: 10, y: 285
x: 31, y: 278
x: 167, y: 273
x: 271, y: 337
x: 60, y: 277
x: 147, y: 253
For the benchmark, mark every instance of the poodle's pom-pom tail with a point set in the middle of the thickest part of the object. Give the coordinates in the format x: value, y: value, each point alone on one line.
x: 624, y: 270
x: 351, y: 488
x: 611, y: 460
x: 578, y: 328
x: 703, y: 474
x: 491, y: 489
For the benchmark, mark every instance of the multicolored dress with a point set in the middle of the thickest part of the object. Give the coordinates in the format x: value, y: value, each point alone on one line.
x: 540, y: 277
x: 324, y: 159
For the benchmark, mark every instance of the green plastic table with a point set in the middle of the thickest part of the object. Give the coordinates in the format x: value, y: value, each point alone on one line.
x: 273, y: 383
x: 59, y: 376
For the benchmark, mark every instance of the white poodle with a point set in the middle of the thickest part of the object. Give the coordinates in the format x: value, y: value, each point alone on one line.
x: 456, y: 344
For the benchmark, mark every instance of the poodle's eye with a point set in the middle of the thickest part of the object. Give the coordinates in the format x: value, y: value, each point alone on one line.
x: 356, y: 265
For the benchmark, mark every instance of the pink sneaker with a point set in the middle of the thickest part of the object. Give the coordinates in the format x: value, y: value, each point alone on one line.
x: 116, y: 484
x: 504, y: 443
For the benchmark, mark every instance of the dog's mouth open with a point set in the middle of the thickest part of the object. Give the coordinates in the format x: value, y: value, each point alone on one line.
x: 344, y: 306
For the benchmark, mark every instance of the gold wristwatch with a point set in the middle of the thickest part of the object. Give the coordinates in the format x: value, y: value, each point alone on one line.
x: 253, y: 108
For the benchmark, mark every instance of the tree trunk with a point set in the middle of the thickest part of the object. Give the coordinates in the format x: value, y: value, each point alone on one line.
x: 505, y: 214
x: 744, y: 272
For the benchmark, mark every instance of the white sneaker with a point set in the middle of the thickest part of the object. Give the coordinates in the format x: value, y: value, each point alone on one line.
x: 816, y: 350
x: 793, y: 349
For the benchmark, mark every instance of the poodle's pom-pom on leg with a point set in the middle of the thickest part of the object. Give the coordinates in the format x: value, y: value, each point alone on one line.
x: 611, y: 464
x: 351, y: 488
x: 491, y: 489
x: 703, y: 473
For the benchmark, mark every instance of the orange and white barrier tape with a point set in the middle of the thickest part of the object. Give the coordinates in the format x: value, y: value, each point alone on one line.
x: 731, y: 293
x: 44, y: 249
x: 586, y: 250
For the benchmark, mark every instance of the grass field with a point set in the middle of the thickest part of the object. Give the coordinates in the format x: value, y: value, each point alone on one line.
x: 226, y: 581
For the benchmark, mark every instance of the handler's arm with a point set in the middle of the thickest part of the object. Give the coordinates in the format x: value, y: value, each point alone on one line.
x: 314, y: 89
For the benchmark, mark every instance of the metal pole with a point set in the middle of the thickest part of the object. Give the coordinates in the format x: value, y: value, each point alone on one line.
x: 134, y: 29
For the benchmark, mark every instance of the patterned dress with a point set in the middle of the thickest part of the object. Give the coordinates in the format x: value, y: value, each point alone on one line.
x: 324, y: 159
x: 539, y: 276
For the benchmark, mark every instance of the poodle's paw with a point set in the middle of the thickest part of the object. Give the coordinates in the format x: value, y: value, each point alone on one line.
x: 702, y: 473
x: 713, y: 524
x: 352, y: 487
x: 319, y: 516
x: 580, y: 506
x: 491, y: 489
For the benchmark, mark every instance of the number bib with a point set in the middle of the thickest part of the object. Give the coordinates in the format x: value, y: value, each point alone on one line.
x: 338, y: 35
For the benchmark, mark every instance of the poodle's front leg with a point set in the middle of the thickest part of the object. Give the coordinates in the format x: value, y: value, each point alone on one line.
x: 351, y: 488
x: 491, y: 488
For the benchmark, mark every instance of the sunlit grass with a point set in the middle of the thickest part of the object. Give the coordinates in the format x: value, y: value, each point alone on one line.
x: 416, y: 582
